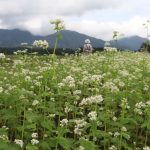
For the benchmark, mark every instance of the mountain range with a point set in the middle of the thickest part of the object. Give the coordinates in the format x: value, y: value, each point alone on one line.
x: 70, y: 39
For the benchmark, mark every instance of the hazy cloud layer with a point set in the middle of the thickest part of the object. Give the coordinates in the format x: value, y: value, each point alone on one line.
x: 104, y: 30
x: 93, y: 17
x: 53, y: 7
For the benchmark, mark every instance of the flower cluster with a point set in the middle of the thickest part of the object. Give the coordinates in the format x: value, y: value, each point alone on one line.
x: 92, y: 115
x: 58, y: 24
x: 34, y: 140
x: 80, y: 124
x: 4, y: 137
x: 34, y: 135
x: 110, y: 49
x: 146, y: 148
x: 1, y: 89
x: 140, y: 107
x: 63, y: 122
x: 21, y: 52
x: 35, y: 102
x: 109, y: 85
x: 124, y: 103
x: 113, y: 147
x: 42, y: 44
x: 2, y: 56
x: 92, y: 100
x: 68, y: 81
x: 19, y: 142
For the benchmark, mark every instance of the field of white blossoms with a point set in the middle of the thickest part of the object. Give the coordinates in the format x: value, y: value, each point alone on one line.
x: 99, y: 101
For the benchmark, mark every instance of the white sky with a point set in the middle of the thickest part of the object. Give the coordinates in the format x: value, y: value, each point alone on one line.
x: 97, y: 18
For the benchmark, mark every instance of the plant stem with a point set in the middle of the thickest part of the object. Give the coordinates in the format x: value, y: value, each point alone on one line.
x: 146, y: 137
x: 105, y: 135
x: 55, y: 46
x: 22, y: 134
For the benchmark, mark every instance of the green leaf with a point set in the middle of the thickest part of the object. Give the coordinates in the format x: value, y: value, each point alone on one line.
x: 8, y: 146
x: 62, y: 131
x: 88, y: 145
x: 65, y: 143
x: 31, y: 147
x: 47, y: 124
x: 44, y: 144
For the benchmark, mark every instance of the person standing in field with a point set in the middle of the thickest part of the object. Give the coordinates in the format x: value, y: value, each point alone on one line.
x: 87, y: 48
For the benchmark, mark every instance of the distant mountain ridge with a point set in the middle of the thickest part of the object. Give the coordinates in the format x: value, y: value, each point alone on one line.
x: 71, y: 39
x: 131, y: 43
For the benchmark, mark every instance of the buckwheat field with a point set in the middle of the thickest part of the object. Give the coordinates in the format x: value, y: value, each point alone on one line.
x: 99, y: 101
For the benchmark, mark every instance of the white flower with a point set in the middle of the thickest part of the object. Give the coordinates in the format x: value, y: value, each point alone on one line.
x: 80, y: 123
x: 109, y: 85
x: 114, y: 118
x: 60, y: 85
x: 110, y: 49
x: 81, y: 148
x: 42, y: 44
x: 96, y: 78
x: 52, y: 115
x: 1, y: 89
x: 110, y: 133
x: 78, y: 131
x: 121, y: 84
x: 124, y: 129
x: 124, y: 103
x: 29, y: 109
x: 35, y: 102
x: 67, y: 109
x: 112, y: 148
x: 148, y: 103
x: 4, y: 137
x: 146, y: 148
x: 92, y: 100
x: 146, y: 88
x: 138, y: 111
x: 19, y: 142
x: 52, y: 99
x: 116, y: 134
x: 2, y: 56
x: 140, y: 105
x: 4, y: 127
x: 18, y: 62
x: 28, y: 79
x: 63, y: 122
x: 37, y: 83
x: 34, y: 135
x: 92, y: 115
x: 45, y: 135
x: 34, y: 141
x: 20, y: 52
x: 77, y: 92
x: 124, y: 73
x: 68, y: 81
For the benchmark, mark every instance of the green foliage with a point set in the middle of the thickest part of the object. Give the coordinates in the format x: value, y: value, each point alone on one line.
x: 92, y: 102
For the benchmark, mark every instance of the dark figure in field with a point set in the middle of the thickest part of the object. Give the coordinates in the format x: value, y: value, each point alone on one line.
x: 87, y: 48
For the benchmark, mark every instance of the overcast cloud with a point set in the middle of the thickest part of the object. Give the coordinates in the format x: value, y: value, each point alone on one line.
x: 98, y: 18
